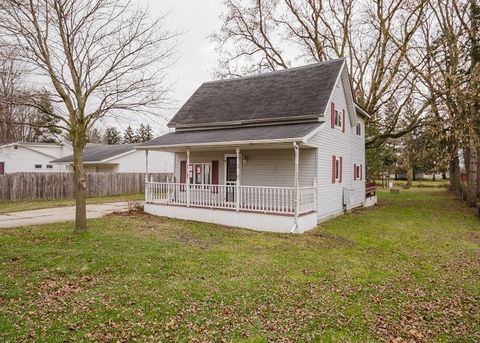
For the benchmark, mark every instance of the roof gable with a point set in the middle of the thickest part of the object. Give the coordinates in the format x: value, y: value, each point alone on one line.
x: 271, y: 97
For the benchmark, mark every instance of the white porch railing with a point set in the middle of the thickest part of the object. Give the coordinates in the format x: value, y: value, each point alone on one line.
x: 250, y: 198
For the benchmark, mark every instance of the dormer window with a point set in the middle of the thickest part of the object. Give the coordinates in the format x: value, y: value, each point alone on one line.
x: 359, y: 129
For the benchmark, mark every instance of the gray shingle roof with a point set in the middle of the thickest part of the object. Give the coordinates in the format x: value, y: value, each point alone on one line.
x: 288, y: 93
x: 99, y: 152
x: 239, y: 134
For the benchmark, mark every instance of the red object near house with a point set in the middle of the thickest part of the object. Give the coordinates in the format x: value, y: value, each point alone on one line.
x: 370, y: 188
x: 2, y: 168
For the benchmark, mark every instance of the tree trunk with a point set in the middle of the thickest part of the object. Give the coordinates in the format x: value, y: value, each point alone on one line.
x: 472, y: 171
x: 454, y: 169
x: 478, y: 173
x: 474, y: 84
x: 410, y: 177
x: 80, y: 187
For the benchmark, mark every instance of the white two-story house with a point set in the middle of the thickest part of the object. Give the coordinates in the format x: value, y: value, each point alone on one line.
x: 278, y: 151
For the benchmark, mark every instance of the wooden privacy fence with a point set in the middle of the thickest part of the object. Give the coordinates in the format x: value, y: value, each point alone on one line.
x: 49, y: 186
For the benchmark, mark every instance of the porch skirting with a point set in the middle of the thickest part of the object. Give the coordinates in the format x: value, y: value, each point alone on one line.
x: 281, y: 223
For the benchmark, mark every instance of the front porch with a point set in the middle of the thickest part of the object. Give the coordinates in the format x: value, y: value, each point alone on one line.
x: 260, y: 188
x: 278, y: 209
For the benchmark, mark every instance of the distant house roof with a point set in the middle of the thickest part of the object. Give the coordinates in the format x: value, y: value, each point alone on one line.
x: 242, y: 135
x: 99, y: 153
x: 281, y: 95
x: 56, y: 145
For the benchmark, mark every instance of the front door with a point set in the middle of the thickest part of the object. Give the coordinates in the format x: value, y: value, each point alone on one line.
x: 231, y: 178
x: 2, y: 168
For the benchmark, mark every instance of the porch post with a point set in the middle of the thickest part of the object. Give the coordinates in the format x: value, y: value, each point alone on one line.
x: 188, y: 177
x: 146, y: 164
x: 237, y: 184
x: 146, y: 176
x: 297, y: 200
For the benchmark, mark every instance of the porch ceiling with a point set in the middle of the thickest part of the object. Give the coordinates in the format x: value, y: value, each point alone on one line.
x: 257, y: 137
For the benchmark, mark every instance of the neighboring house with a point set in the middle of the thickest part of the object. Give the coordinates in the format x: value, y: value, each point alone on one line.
x: 278, y: 151
x: 32, y: 157
x: 424, y: 176
x: 120, y: 158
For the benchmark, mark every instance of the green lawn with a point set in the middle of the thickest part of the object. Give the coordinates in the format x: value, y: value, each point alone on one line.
x: 6, y: 207
x: 423, y: 183
x: 418, y: 183
x: 408, y: 269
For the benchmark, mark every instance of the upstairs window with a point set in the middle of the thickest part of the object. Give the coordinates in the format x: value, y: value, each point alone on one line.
x: 38, y: 166
x: 49, y: 166
x: 338, y: 119
x: 359, y: 129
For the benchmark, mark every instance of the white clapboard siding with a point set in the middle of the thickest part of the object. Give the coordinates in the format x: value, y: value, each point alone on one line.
x: 347, y: 145
x: 134, y: 162
x: 273, y: 167
x: 23, y: 159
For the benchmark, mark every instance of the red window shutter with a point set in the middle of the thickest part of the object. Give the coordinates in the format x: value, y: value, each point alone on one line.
x: 341, y: 170
x: 183, y: 174
x: 334, y: 160
x: 183, y: 171
x: 343, y: 121
x: 332, y: 116
x: 215, y: 176
x: 354, y: 171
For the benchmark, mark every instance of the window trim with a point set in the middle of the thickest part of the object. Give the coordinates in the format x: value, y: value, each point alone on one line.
x: 192, y: 172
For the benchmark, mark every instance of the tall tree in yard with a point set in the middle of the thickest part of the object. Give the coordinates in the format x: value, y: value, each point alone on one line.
x: 96, y: 56
x: 473, y: 30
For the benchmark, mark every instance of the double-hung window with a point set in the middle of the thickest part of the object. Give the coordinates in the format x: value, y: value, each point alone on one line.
x: 338, y: 118
x: 359, y: 129
x: 337, y: 169
x: 200, y: 173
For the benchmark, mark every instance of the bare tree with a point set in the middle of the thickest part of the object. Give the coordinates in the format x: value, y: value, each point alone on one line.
x: 449, y: 45
x: 18, y: 121
x: 472, y: 28
x: 375, y: 36
x: 98, y: 57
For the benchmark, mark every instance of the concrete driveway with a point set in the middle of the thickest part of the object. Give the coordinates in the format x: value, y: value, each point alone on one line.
x: 57, y: 214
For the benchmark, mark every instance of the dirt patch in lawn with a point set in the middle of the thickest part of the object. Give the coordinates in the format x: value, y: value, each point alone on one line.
x: 324, y: 238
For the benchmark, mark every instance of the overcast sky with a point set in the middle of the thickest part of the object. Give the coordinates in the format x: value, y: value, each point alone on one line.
x: 197, y: 20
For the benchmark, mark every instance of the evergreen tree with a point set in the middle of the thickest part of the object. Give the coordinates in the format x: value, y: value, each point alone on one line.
x: 94, y: 136
x: 129, y: 136
x: 112, y: 136
x: 46, y: 130
x: 144, y: 133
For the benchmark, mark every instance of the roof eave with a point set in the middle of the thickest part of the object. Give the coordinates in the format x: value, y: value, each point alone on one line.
x: 229, y: 143
x: 278, y: 120
x: 362, y: 111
